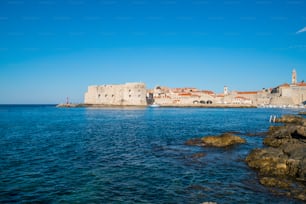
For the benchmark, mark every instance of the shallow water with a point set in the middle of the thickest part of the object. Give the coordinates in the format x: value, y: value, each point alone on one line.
x: 125, y: 155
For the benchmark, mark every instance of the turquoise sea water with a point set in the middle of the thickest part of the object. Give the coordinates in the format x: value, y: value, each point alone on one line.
x: 125, y: 155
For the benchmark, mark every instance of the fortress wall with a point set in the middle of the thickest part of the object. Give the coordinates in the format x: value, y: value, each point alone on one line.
x: 134, y: 93
x: 90, y: 96
x: 123, y: 94
x: 286, y: 92
x: 299, y: 95
x: 263, y: 100
x: 276, y: 100
x: 296, y: 93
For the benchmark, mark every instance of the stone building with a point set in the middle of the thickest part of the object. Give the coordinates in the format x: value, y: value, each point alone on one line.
x: 282, y: 95
x: 129, y: 94
x: 289, y: 94
x: 181, y: 96
x: 136, y: 94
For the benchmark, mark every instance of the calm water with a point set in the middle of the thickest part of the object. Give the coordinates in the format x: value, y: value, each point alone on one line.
x: 85, y: 155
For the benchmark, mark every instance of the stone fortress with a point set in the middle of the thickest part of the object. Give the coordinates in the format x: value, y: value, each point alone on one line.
x: 136, y: 94
x: 121, y: 95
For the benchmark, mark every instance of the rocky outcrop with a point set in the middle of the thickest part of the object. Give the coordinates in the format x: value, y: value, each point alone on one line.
x: 223, y: 140
x: 283, y: 163
x: 290, y: 119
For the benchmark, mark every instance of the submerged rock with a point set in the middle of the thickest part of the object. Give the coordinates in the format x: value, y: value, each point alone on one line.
x: 223, y: 140
x: 198, y: 155
x: 199, y: 188
x: 283, y: 163
x: 194, y: 142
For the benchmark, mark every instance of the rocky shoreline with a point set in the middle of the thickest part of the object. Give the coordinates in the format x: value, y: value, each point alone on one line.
x: 281, y: 165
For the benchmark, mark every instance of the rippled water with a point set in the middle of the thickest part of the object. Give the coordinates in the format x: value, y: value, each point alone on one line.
x: 85, y: 155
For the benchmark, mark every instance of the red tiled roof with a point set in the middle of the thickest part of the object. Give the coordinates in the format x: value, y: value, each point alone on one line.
x: 208, y: 92
x: 184, y: 94
x: 247, y: 92
x: 301, y: 84
x: 284, y: 85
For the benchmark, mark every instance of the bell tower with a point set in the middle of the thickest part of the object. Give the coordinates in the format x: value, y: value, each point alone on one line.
x: 294, y: 77
x: 225, y: 90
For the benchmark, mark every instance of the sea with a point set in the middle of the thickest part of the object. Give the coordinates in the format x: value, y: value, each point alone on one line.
x: 130, y: 155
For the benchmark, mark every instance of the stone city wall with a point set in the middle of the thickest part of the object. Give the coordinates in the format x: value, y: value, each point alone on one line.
x: 121, y: 94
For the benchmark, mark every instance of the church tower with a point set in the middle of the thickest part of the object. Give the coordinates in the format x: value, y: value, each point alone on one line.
x: 294, y: 78
x: 225, y: 90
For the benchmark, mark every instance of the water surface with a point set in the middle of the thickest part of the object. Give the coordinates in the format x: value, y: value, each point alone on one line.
x: 124, y: 155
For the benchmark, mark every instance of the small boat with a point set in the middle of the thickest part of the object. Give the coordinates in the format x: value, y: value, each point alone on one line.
x: 154, y: 105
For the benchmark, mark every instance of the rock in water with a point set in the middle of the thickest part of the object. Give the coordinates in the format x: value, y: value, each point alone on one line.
x: 223, y: 140
x: 198, y: 155
x: 290, y: 119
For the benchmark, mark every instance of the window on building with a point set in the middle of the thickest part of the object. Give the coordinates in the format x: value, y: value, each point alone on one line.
x: 99, y: 95
x: 105, y: 95
x: 113, y: 96
x: 130, y: 96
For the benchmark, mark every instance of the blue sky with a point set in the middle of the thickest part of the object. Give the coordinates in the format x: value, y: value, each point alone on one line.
x: 51, y: 49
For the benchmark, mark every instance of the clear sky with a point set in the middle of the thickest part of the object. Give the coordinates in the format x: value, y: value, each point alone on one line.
x: 51, y: 49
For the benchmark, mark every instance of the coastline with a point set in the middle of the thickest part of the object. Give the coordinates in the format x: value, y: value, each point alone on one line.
x: 280, y: 163
x: 70, y: 105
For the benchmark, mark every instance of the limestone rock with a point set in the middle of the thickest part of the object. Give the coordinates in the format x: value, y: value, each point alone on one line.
x: 290, y: 119
x: 269, y: 161
x: 302, y: 170
x: 223, y: 140
x: 273, y: 182
x: 283, y: 163
x: 279, y: 135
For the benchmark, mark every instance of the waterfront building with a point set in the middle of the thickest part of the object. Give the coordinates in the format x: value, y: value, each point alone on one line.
x: 136, y: 94
x: 120, y: 94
